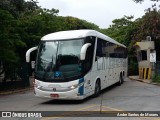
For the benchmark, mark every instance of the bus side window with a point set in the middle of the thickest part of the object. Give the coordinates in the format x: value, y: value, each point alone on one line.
x: 100, y: 54
x: 99, y: 49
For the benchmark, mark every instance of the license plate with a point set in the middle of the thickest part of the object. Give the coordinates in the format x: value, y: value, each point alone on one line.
x: 54, y: 95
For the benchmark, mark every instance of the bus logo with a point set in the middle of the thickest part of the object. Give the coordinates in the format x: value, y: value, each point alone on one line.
x: 57, y: 74
x: 54, y: 89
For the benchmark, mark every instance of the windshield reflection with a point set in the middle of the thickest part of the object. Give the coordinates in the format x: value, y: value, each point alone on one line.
x: 58, y: 59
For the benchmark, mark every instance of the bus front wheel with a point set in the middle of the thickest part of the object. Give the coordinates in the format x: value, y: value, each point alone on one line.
x: 97, y: 88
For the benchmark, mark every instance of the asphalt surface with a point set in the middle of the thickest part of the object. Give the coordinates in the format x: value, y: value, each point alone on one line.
x: 130, y: 96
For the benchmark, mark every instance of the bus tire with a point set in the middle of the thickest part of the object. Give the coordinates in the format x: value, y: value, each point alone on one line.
x: 120, y: 80
x: 97, y: 89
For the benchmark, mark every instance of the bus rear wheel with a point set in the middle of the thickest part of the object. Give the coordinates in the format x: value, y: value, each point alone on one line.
x: 120, y: 80
x: 97, y: 89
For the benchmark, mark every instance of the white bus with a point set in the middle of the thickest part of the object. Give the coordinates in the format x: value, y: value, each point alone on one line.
x: 76, y: 64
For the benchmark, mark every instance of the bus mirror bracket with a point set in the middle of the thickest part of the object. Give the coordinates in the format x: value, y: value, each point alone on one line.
x: 83, y: 51
x: 28, y: 53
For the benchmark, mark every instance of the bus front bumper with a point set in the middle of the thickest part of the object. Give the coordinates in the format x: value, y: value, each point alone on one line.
x: 68, y: 95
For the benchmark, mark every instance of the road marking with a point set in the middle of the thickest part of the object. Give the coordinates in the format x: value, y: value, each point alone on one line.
x: 89, y: 110
x: 84, y: 108
x: 112, y: 108
x: 150, y: 118
x: 48, y: 118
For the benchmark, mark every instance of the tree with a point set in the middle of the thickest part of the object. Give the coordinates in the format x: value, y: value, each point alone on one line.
x: 148, y: 25
x: 23, y: 23
x: 44, y: 21
x: 18, y: 7
x: 153, y: 7
x: 73, y: 23
x: 9, y: 40
x: 121, y: 29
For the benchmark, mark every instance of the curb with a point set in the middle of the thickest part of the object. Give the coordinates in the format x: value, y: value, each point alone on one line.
x: 140, y: 80
x: 16, y: 91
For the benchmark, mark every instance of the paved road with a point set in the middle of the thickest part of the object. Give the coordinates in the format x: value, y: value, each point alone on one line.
x: 131, y: 96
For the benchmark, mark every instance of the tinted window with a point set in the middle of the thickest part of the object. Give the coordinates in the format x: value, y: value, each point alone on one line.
x: 108, y: 49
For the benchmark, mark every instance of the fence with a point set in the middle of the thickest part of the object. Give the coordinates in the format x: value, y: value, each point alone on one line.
x: 15, y: 77
x: 157, y: 69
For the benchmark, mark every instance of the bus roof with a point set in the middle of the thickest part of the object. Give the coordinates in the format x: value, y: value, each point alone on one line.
x: 71, y: 34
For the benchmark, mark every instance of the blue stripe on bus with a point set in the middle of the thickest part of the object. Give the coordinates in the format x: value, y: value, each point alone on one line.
x: 81, y: 88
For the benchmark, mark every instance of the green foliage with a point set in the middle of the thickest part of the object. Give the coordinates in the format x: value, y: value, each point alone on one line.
x: 121, y: 30
x: 18, y: 7
x: 156, y: 78
x: 148, y: 25
x: 23, y: 24
x: 72, y: 23
x: 128, y: 32
x: 9, y: 38
x: 132, y: 65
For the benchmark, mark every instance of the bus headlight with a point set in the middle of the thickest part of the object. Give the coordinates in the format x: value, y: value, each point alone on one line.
x: 73, y: 86
x: 76, y: 86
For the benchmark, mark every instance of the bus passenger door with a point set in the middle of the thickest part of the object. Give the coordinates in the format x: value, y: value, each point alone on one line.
x: 100, y: 60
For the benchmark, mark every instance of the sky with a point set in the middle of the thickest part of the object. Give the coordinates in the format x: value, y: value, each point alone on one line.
x: 99, y: 12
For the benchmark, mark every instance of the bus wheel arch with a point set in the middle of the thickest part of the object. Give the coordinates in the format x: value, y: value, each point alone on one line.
x: 97, y: 89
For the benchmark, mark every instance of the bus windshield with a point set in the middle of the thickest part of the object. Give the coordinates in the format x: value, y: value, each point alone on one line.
x: 58, y: 60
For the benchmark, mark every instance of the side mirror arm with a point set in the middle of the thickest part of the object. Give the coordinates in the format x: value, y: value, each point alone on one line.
x: 83, y: 51
x: 28, y: 53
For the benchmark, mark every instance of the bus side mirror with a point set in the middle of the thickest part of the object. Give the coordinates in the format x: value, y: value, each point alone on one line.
x: 28, y: 53
x: 83, y: 51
